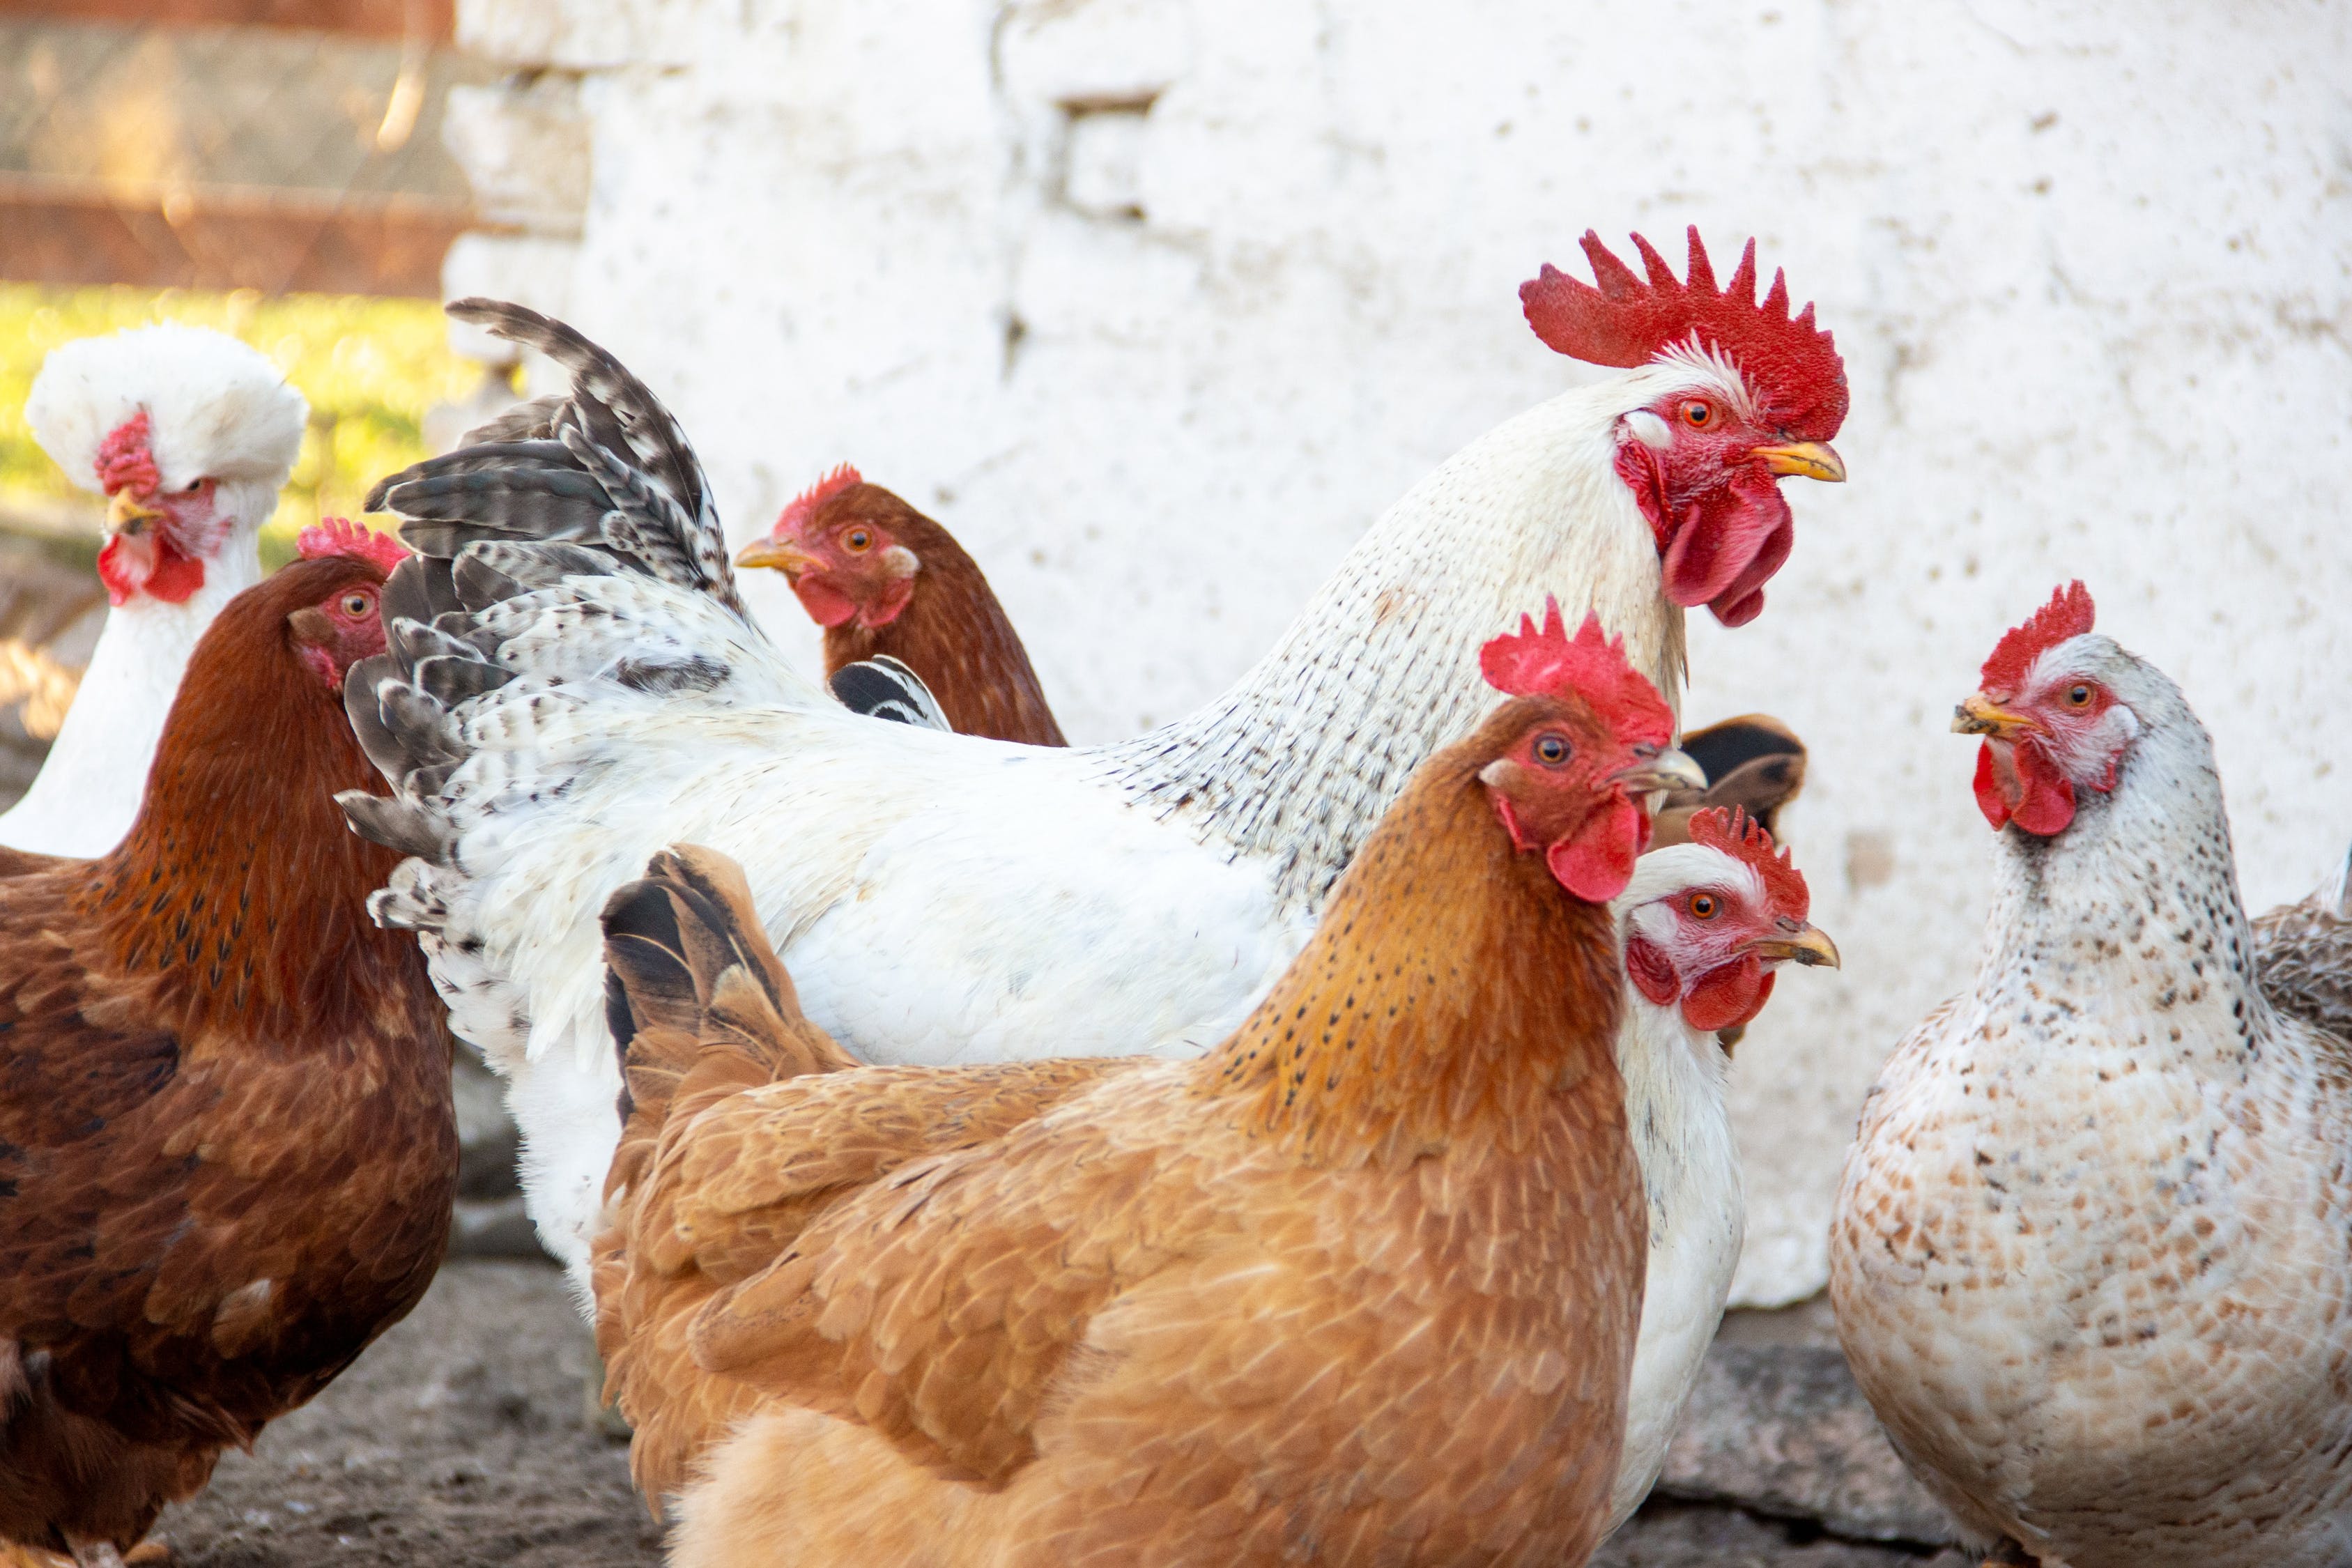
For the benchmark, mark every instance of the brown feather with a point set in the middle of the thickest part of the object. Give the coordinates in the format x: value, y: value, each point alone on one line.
x: 227, y: 1146
x: 1360, y: 1285
x: 952, y: 633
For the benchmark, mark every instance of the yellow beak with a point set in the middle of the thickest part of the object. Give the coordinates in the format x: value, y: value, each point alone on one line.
x: 1977, y: 716
x: 125, y: 515
x: 789, y: 559
x: 1807, y: 459
x: 1811, y: 946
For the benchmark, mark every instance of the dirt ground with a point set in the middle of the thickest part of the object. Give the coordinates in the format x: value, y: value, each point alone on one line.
x: 462, y: 1440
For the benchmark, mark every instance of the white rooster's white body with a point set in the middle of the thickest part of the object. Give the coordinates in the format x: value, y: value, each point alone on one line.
x: 216, y: 410
x: 2090, y: 1257
x: 938, y: 897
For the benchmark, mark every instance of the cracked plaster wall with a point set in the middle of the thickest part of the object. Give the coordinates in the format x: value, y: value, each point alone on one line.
x: 1159, y: 304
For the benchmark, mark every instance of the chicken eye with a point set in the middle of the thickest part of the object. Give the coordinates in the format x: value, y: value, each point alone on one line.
x: 357, y: 604
x: 1551, y: 751
x: 1698, y: 412
x: 2078, y: 696
x: 193, y: 485
x: 1703, y: 906
x: 858, y: 538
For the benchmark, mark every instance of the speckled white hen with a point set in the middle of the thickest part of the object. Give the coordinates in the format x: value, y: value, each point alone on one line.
x: 1705, y: 926
x: 595, y: 692
x: 2090, y: 1257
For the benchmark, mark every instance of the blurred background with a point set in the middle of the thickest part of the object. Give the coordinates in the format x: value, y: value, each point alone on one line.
x: 1158, y: 303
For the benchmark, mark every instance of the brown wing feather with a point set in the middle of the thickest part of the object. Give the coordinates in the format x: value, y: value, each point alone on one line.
x: 2303, y: 952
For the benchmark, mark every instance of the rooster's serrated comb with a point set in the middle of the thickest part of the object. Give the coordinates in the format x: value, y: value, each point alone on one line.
x: 125, y: 461
x: 1737, y: 834
x: 341, y: 536
x: 803, y: 506
x: 1546, y: 661
x: 1626, y: 320
x: 2068, y: 613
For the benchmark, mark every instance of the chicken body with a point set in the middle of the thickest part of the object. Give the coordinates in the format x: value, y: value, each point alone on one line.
x: 189, y: 433
x: 1358, y: 1286
x: 2089, y: 1258
x: 941, y: 899
x: 227, y: 1151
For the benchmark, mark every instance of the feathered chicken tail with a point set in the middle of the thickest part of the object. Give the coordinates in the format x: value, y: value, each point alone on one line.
x: 1754, y: 762
x: 695, y: 997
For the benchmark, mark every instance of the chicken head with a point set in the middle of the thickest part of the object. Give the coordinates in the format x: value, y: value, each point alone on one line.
x: 2052, y: 720
x: 1736, y: 914
x: 835, y: 545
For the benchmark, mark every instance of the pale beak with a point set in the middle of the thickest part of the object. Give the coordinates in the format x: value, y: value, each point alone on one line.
x: 1666, y: 770
x: 1977, y: 716
x: 789, y: 559
x: 1806, y: 459
x: 1809, y: 945
x: 125, y: 515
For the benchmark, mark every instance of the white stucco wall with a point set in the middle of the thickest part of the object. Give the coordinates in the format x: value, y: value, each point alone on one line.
x: 1159, y: 302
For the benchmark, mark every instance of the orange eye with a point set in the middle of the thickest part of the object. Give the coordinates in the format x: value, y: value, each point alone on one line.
x: 357, y: 604
x: 1551, y: 751
x: 2078, y: 696
x: 857, y: 540
x: 1703, y: 906
x: 1697, y: 413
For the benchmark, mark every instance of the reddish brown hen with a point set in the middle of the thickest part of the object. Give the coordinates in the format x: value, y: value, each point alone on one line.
x: 886, y: 582
x: 1358, y: 1286
x: 227, y: 1146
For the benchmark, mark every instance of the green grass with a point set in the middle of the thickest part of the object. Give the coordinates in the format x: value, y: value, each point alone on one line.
x: 371, y: 367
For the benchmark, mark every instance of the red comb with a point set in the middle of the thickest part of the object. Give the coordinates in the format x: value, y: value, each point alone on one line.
x: 1743, y: 838
x: 1549, y: 662
x: 2068, y: 613
x: 124, y: 461
x: 1792, y: 364
x: 803, y: 505
x: 341, y: 536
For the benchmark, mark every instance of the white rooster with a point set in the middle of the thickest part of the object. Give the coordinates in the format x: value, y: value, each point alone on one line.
x: 578, y: 685
x: 189, y: 433
x: 2089, y: 1257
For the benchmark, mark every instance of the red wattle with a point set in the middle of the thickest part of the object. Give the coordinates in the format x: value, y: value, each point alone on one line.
x: 1596, y: 862
x: 110, y: 572
x: 2028, y: 791
x: 170, y: 579
x: 828, y: 607
x: 1728, y: 997
x: 175, y: 577
x: 1728, y: 545
x: 886, y: 609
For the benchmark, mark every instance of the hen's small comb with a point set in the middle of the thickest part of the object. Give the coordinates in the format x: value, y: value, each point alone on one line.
x: 803, y: 505
x: 2068, y: 613
x: 341, y: 536
x: 124, y: 459
x: 1792, y: 364
x: 1547, y: 662
x: 1743, y: 838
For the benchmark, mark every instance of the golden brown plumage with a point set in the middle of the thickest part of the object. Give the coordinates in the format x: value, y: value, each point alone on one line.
x: 1358, y: 1286
x: 227, y: 1146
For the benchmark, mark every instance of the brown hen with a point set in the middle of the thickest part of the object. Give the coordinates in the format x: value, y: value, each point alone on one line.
x: 1358, y: 1286
x: 886, y: 582
x: 227, y: 1146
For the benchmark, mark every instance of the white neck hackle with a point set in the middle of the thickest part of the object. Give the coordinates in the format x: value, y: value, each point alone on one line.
x: 1298, y: 760
x: 88, y: 790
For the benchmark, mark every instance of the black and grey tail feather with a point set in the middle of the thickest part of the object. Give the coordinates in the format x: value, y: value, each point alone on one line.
x: 598, y: 481
x: 885, y: 687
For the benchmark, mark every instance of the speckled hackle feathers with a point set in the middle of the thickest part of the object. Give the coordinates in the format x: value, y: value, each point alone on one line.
x: 802, y: 506
x: 1735, y: 834
x: 2068, y: 613
x: 341, y: 536
x: 1791, y: 363
x: 1534, y: 661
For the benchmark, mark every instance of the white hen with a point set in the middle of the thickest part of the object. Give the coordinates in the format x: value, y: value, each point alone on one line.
x: 2089, y: 1257
x: 189, y: 433
x: 593, y: 691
